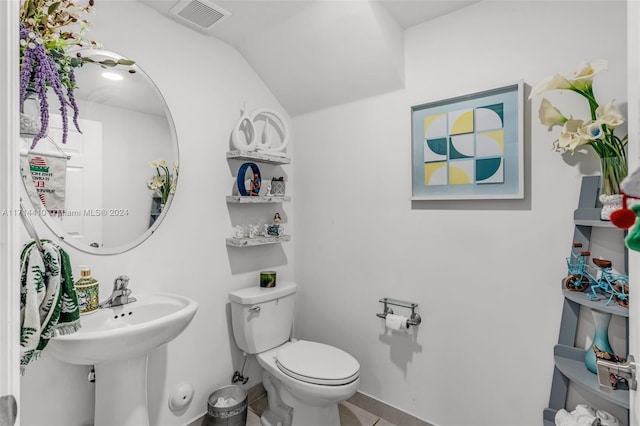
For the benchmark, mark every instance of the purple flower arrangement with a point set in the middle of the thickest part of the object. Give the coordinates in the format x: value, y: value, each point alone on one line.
x: 46, y: 38
x: 46, y: 35
x: 38, y: 71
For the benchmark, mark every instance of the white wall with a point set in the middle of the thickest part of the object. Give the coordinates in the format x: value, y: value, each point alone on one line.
x: 486, y: 273
x: 205, y: 83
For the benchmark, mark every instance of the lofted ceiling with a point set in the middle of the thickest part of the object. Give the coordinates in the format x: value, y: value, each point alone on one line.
x: 315, y: 54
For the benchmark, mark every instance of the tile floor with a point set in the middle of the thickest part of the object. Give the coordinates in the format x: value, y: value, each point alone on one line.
x: 350, y: 415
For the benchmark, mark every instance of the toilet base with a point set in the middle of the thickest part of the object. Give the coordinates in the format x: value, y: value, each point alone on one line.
x: 284, y: 409
x: 276, y: 413
x: 293, y: 402
x: 304, y: 416
x: 311, y: 415
x: 267, y: 419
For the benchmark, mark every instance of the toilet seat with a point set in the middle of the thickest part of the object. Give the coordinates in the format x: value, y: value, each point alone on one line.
x: 317, y: 363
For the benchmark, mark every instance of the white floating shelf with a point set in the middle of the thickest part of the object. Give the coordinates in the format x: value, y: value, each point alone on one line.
x: 258, y: 156
x: 243, y: 199
x: 259, y: 241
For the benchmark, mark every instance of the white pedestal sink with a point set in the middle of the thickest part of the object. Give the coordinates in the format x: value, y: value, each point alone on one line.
x: 116, y: 341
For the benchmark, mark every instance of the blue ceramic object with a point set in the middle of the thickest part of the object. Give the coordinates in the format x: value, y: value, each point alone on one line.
x: 256, y: 180
x: 600, y: 339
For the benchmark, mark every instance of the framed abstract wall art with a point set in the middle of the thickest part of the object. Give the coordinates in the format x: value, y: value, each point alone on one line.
x: 469, y: 147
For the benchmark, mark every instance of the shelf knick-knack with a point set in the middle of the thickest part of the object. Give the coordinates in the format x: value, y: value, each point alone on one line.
x: 600, y: 339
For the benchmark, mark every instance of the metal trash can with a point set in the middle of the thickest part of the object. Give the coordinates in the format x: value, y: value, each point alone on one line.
x: 227, y: 406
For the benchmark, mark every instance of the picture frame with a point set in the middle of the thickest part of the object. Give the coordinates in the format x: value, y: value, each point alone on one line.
x: 469, y: 146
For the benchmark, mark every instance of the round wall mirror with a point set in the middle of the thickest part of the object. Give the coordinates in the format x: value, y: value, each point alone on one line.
x: 101, y: 192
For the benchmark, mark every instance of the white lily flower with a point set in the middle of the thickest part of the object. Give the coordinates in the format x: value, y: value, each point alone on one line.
x: 163, y: 182
x: 550, y: 83
x: 569, y: 138
x: 583, y: 78
x: 609, y: 115
x: 597, y: 133
x: 549, y: 115
x: 566, y: 142
x: 591, y: 130
x: 589, y: 69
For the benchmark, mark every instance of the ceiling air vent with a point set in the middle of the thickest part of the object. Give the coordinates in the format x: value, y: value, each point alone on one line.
x: 202, y: 14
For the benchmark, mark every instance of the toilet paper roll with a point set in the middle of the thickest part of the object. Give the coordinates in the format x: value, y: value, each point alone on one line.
x: 396, y: 322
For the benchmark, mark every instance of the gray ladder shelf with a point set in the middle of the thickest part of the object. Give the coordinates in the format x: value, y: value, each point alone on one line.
x: 569, y: 365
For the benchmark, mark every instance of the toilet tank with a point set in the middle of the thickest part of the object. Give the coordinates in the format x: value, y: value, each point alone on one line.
x: 262, y: 317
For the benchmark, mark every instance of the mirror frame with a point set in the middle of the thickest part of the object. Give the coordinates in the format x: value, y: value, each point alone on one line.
x: 53, y: 223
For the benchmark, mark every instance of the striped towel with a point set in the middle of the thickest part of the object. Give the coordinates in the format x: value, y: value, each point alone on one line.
x: 48, y: 300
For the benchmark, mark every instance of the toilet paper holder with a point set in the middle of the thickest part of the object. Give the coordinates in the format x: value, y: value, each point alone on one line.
x: 413, y: 320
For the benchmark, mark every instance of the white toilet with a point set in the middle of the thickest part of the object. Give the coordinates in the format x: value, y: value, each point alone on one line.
x: 305, y: 381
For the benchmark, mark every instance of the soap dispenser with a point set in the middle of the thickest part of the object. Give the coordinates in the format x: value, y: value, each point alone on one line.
x: 87, y: 290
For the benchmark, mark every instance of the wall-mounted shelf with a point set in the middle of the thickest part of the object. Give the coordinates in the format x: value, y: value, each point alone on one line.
x: 590, y: 216
x: 396, y: 302
x: 258, y: 241
x: 241, y: 199
x: 569, y: 359
x: 601, y: 305
x: 257, y: 156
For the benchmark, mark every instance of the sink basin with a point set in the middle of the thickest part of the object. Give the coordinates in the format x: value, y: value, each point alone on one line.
x: 116, y: 341
x: 121, y: 332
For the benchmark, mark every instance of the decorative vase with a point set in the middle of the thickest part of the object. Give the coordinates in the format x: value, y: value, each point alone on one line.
x: 613, y: 171
x: 610, y: 203
x: 277, y: 187
x: 30, y: 123
x: 600, y: 339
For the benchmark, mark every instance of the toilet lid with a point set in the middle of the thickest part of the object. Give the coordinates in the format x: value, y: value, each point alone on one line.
x: 318, y: 363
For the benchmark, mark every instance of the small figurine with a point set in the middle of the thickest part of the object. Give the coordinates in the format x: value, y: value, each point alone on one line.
x: 238, y: 232
x: 276, y: 229
x: 253, y: 231
x: 254, y: 186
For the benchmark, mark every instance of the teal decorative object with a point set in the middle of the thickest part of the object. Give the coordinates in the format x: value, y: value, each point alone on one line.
x: 600, y: 339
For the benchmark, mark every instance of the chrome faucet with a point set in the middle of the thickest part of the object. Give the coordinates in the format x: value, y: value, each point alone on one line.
x: 120, y: 294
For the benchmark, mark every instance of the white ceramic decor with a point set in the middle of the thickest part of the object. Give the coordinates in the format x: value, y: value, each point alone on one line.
x: 263, y: 130
x: 243, y: 136
x: 274, y: 128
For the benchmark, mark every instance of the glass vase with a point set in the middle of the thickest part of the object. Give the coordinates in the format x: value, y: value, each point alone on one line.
x: 600, y: 339
x: 30, y: 123
x: 613, y: 171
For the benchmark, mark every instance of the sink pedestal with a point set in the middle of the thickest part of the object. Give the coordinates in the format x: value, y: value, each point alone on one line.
x: 121, y: 392
x: 116, y: 341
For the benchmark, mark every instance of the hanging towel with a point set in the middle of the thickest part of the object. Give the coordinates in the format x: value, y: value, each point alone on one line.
x: 48, y: 300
